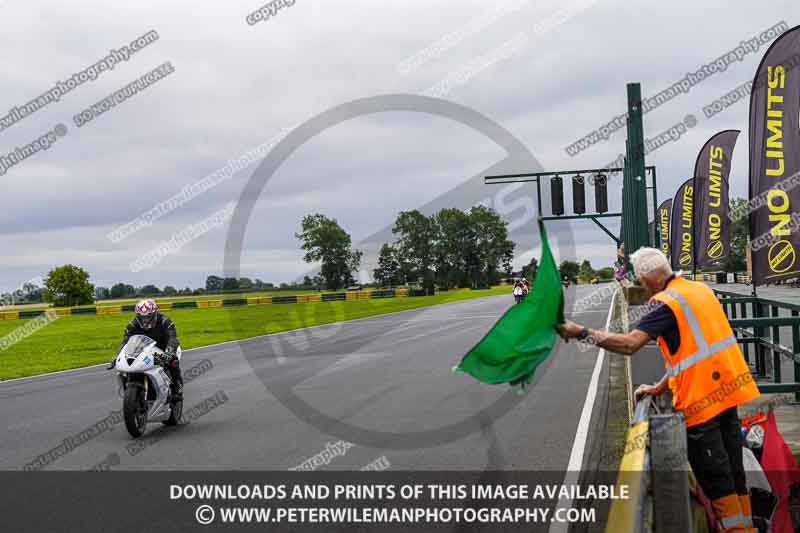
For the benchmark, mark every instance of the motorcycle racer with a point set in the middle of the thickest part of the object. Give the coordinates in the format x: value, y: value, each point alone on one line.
x: 159, y: 327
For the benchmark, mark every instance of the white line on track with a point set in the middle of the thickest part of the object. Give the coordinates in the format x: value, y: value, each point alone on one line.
x: 579, y: 444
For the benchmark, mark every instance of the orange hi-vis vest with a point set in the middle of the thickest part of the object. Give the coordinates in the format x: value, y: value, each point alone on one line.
x: 708, y: 373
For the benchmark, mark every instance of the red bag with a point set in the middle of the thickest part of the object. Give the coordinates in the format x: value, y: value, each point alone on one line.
x: 780, y: 467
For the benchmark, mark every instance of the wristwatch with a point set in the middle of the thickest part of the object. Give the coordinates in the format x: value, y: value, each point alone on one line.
x: 583, y: 334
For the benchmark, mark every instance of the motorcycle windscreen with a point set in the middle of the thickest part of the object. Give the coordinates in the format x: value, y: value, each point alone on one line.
x: 136, y: 345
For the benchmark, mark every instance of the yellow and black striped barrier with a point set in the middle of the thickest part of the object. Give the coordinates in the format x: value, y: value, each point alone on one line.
x: 207, y: 304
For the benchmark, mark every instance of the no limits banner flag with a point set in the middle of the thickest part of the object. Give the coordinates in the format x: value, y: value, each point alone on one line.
x: 712, y: 218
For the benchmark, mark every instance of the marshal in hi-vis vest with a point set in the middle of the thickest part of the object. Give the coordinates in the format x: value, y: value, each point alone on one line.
x: 708, y: 373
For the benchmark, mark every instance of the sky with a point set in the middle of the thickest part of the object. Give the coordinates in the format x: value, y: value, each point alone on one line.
x: 544, y: 73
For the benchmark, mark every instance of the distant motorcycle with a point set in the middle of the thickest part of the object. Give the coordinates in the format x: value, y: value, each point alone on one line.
x: 519, y: 294
x: 146, y: 386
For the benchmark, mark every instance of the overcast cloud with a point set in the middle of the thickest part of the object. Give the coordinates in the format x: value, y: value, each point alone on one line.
x: 236, y: 86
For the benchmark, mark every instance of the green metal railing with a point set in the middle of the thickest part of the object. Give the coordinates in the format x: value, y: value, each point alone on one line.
x: 757, y: 323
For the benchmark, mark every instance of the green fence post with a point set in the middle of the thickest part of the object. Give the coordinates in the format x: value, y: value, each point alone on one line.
x: 743, y: 309
x: 776, y: 355
x: 758, y: 332
x: 796, y: 353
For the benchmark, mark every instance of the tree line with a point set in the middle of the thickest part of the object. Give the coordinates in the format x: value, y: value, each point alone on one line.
x: 583, y: 272
x: 69, y: 285
x: 450, y: 248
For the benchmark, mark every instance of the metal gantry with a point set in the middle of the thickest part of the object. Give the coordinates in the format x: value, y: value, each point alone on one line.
x: 635, y: 174
x: 596, y: 173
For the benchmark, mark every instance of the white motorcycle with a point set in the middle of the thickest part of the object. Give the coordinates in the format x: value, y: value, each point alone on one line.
x: 146, y: 385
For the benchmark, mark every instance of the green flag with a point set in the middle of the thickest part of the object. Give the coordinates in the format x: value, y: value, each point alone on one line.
x: 524, y: 336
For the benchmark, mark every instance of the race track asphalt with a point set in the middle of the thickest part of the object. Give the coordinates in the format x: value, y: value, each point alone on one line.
x: 384, y: 385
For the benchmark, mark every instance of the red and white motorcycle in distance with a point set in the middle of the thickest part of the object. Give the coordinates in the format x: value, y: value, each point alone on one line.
x: 146, y: 386
x: 519, y: 293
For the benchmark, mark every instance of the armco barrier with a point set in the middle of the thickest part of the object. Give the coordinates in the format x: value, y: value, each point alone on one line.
x: 386, y: 293
x: 333, y: 296
x: 31, y: 314
x: 83, y: 311
x: 358, y: 295
x: 205, y: 304
x: 654, y: 466
x: 184, y: 305
x: 634, y: 515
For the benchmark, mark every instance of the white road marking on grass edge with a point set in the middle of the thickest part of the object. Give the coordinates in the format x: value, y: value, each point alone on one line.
x: 579, y: 444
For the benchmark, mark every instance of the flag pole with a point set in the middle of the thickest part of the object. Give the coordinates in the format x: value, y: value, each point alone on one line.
x: 694, y: 225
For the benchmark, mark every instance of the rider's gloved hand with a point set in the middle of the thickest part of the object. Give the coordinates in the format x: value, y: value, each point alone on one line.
x: 172, y: 356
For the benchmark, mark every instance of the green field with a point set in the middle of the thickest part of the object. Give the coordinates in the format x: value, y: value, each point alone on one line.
x: 78, y: 341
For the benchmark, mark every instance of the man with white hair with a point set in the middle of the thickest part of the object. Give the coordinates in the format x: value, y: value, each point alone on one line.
x: 706, y: 373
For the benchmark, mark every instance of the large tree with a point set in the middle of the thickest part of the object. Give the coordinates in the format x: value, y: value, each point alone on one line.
x: 388, y: 271
x: 324, y: 240
x: 214, y: 283
x: 569, y: 270
x: 122, y: 290
x: 230, y: 284
x: 68, y: 285
x: 149, y: 290
x: 495, y: 252
x: 529, y: 270
x: 415, y: 245
x: 455, y: 248
x: 586, y: 273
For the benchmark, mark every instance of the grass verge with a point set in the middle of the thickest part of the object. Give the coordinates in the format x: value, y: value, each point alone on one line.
x: 79, y: 341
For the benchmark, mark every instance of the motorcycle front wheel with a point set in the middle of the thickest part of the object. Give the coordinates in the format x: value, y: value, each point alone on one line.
x: 134, y: 410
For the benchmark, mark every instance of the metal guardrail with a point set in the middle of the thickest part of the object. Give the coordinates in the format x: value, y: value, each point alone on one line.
x: 757, y: 323
x: 655, y: 468
x: 634, y: 514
